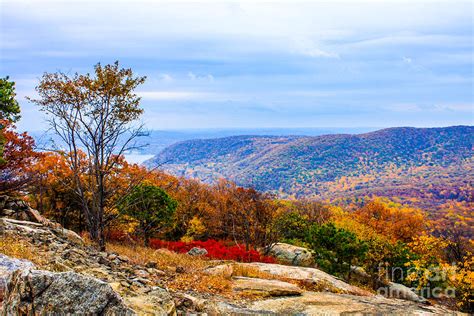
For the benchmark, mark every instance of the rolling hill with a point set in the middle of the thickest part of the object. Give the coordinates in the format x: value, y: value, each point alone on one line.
x: 424, y: 166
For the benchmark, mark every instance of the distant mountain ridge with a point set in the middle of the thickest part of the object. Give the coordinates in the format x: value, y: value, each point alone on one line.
x: 329, y: 165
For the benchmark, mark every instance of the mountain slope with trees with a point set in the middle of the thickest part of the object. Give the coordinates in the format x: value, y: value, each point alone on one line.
x: 330, y: 166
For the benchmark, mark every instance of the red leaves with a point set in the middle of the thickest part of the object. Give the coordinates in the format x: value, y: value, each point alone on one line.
x: 18, y: 156
x: 216, y: 250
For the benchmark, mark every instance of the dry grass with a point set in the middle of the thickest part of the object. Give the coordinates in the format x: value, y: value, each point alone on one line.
x: 163, y: 258
x: 183, y: 272
x: 21, y: 249
x: 253, y: 272
x: 199, y: 282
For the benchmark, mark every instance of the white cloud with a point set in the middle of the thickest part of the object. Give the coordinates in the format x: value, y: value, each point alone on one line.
x: 309, y: 48
x: 166, y: 78
x: 193, y: 76
x: 442, y: 107
x: 457, y: 107
x: 174, y: 95
x: 407, y: 60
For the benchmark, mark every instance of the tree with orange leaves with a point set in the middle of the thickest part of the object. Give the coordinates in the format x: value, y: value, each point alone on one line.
x: 399, y: 223
x: 18, y: 155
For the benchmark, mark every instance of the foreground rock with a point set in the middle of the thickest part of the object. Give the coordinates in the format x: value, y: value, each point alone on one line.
x: 385, y: 287
x: 42, y: 292
x: 156, y: 302
x: 265, y: 287
x: 293, y: 255
x: 311, y: 277
x: 7, y: 267
x: 224, y: 270
x: 64, y: 251
x: 324, y: 303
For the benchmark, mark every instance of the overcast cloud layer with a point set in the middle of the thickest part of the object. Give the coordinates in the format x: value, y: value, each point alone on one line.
x: 282, y: 64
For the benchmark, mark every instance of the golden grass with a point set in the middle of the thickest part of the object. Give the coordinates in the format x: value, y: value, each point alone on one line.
x: 163, y: 258
x: 199, y: 282
x: 21, y: 249
x: 183, y: 272
x: 252, y: 272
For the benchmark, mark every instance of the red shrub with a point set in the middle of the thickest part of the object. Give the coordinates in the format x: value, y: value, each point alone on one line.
x: 215, y: 250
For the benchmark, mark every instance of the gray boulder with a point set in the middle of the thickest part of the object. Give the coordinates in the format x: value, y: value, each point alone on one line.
x: 293, y: 255
x: 7, y: 267
x: 396, y: 290
x: 41, y: 292
x: 196, y: 251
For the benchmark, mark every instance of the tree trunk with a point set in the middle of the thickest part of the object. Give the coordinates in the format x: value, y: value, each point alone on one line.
x: 147, y: 240
x: 101, y: 226
x: 96, y: 231
x: 101, y: 242
x: 146, y: 234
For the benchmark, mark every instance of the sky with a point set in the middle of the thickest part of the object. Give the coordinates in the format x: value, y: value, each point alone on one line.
x: 254, y: 64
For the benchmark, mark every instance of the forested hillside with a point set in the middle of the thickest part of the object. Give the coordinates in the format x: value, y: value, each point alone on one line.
x: 425, y: 166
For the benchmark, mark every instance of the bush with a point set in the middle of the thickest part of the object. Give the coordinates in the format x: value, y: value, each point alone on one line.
x: 215, y: 250
x: 151, y: 207
x: 336, y: 248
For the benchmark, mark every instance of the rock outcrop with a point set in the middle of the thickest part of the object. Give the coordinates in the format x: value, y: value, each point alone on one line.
x: 20, y: 210
x: 311, y: 277
x: 292, y: 255
x: 7, y: 267
x: 225, y: 270
x: 43, y: 292
x: 325, y: 303
x: 112, y: 275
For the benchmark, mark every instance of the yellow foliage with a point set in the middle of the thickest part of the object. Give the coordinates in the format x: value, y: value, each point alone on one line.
x: 430, y: 248
x: 195, y: 229
x: 20, y: 249
x: 462, y: 279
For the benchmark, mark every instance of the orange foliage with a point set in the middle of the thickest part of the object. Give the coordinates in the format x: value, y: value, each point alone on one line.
x: 397, y: 222
x: 18, y: 155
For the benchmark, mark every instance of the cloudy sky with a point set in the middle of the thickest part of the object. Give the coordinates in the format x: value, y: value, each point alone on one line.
x: 268, y: 64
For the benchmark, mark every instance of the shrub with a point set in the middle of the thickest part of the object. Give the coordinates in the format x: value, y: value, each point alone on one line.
x: 336, y: 248
x: 215, y: 250
x: 151, y: 207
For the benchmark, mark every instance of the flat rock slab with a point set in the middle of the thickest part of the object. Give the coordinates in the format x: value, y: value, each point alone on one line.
x: 325, y: 303
x: 265, y: 287
x: 310, y: 276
